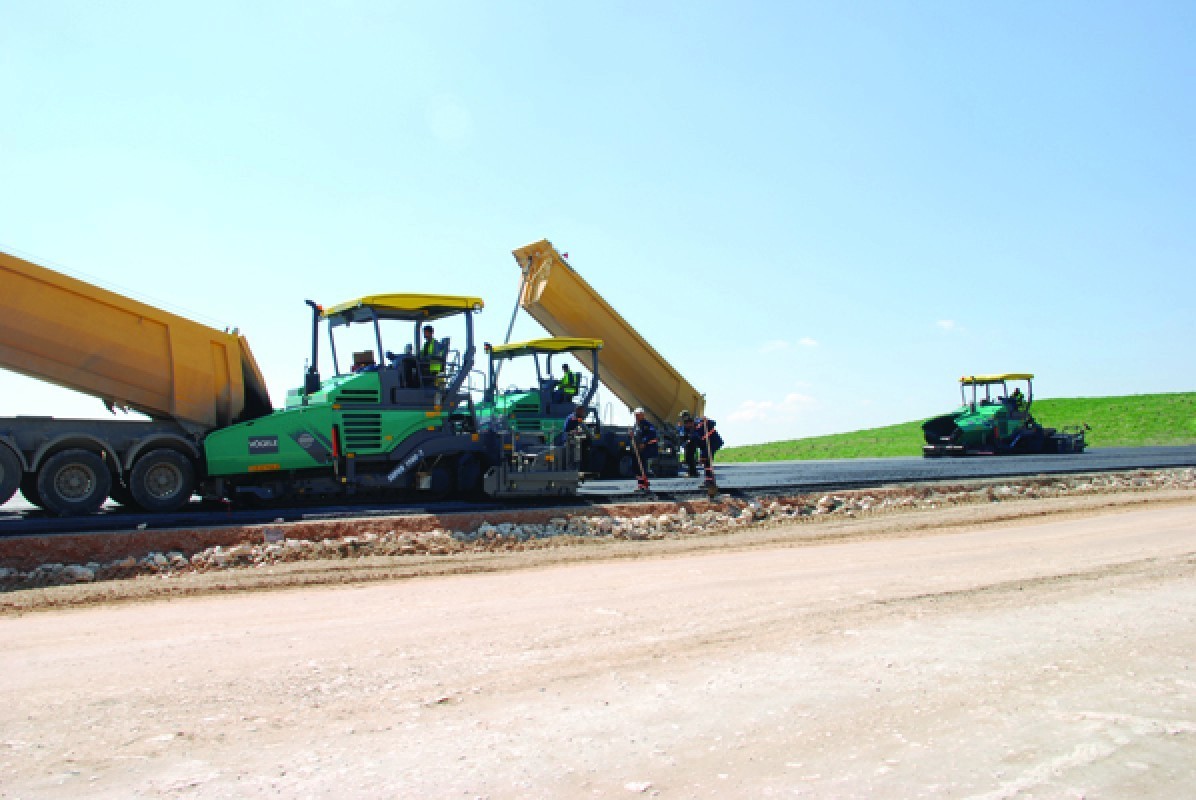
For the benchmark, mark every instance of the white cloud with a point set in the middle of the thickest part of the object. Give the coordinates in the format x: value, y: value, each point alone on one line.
x: 797, y: 400
x: 806, y: 341
x: 789, y: 408
x: 948, y: 325
x: 752, y: 411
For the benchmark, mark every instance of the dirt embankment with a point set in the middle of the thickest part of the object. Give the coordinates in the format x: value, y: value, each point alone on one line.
x: 1011, y: 646
x: 353, y: 551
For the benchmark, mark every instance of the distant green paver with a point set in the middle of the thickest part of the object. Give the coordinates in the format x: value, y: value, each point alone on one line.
x: 1131, y: 421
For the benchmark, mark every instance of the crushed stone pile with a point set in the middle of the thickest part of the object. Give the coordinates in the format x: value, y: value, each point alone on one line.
x: 728, y: 516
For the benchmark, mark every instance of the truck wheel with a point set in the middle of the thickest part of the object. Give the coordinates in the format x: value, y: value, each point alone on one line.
x: 162, y: 481
x: 73, y: 482
x: 10, y: 474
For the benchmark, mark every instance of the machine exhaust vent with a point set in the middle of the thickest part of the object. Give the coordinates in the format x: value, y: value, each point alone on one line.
x: 357, y: 396
x: 362, y: 431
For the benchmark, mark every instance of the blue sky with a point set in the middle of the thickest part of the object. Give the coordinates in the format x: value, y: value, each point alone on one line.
x: 821, y: 214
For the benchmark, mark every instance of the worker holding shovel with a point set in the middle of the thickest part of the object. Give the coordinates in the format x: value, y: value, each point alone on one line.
x: 702, y: 441
x: 646, y: 444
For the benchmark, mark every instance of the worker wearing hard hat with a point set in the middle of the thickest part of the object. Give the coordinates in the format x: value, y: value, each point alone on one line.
x: 646, y: 440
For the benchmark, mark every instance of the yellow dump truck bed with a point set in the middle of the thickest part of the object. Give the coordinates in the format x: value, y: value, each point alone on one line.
x: 68, y: 332
x: 557, y: 297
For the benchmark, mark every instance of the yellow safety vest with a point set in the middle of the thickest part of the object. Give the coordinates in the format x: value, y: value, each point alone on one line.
x: 428, y: 351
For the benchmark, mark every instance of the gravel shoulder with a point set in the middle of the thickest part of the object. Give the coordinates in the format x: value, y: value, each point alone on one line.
x: 1033, y: 647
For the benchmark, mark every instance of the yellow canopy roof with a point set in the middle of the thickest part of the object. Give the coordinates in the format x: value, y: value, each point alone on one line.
x: 969, y: 380
x: 403, y: 306
x: 559, y: 344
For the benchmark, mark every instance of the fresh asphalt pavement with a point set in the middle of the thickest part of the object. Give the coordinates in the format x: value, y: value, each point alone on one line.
x: 18, y: 518
x: 853, y: 472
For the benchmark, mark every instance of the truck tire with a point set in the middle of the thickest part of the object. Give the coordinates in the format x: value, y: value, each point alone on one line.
x: 10, y: 473
x: 73, y: 482
x: 162, y: 481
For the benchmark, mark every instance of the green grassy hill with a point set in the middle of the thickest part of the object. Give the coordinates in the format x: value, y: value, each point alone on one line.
x: 1134, y: 420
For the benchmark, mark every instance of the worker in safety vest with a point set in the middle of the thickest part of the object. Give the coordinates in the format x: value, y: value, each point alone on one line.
x: 702, y: 441
x: 429, y: 350
x: 432, y: 358
x: 567, y: 386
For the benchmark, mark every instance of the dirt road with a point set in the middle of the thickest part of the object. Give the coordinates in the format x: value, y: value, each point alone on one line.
x: 1052, y: 658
